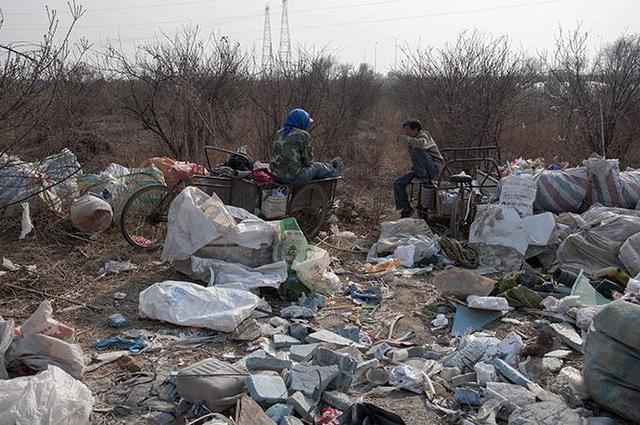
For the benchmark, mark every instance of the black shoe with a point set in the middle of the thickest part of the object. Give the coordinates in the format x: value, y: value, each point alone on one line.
x: 407, y: 212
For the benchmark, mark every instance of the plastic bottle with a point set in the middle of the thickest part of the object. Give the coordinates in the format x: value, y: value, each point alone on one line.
x: 382, y: 266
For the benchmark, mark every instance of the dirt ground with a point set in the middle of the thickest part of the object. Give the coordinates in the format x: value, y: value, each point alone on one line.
x: 68, y: 274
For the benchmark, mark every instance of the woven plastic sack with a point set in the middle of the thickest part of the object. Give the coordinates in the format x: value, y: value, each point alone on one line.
x: 43, y: 184
x: 596, y: 247
x: 561, y: 191
x: 518, y: 192
x: 630, y: 181
x: 611, y: 359
x: 606, y: 189
x: 189, y: 304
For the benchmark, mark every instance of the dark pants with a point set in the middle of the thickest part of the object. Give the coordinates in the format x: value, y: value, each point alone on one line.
x: 319, y: 170
x: 424, y: 167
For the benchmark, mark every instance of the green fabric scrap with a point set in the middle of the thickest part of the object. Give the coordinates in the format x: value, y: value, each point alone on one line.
x: 521, y: 296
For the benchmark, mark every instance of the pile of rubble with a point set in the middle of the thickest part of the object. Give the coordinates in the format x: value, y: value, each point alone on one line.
x: 542, y: 330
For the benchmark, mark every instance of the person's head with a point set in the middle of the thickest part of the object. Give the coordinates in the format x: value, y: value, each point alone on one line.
x: 298, y: 118
x: 412, y: 128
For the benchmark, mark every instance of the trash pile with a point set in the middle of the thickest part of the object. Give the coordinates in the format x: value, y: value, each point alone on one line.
x: 533, y: 320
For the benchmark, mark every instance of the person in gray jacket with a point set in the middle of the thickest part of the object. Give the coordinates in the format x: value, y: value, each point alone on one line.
x: 426, y: 160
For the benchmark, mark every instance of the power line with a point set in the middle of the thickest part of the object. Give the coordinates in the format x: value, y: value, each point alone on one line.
x: 220, y: 19
x: 108, y: 9
x: 403, y: 18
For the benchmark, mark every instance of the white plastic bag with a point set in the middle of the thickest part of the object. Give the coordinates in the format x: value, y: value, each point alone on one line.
x: 26, y: 226
x: 518, y: 192
x: 51, y: 397
x: 189, y: 304
x: 42, y: 341
x: 195, y: 219
x: 314, y: 272
x: 216, y: 272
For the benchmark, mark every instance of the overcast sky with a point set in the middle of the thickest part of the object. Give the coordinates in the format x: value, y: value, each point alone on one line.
x: 356, y: 30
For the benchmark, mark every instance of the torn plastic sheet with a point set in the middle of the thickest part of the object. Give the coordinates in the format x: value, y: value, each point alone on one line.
x: 216, y: 272
x: 195, y: 220
x: 117, y: 267
x: 25, y: 223
x: 51, y: 397
x: 470, y: 319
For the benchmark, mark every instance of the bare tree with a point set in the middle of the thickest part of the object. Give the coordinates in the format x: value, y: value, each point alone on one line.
x: 596, y: 98
x: 182, y: 88
x: 29, y: 77
x: 467, y: 91
x: 338, y: 96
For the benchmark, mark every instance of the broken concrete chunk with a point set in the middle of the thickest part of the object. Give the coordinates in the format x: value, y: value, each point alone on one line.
x: 278, y: 321
x: 267, y: 363
x: 568, y: 335
x: 311, y: 380
x: 247, y: 331
x: 351, y: 332
x: 514, y: 394
x: 303, y: 353
x: 485, y: 373
x: 331, y: 338
x: 291, y: 420
x: 558, y: 354
x: 573, y: 378
x: 507, y: 349
x: 278, y: 411
x: 303, y: 406
x: 449, y: 372
x: 467, y: 378
x: 379, y: 351
x: 337, y: 399
x: 284, y: 341
x: 552, y: 364
x: 267, y: 389
x: 510, y: 373
x: 472, y: 349
x: 488, y: 303
x: 467, y: 396
x: 461, y: 283
x: 377, y: 376
x: 545, y: 413
x: 299, y: 331
x: 346, y: 364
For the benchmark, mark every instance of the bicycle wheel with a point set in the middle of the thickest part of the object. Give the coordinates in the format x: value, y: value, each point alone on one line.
x: 309, y: 206
x: 144, y: 217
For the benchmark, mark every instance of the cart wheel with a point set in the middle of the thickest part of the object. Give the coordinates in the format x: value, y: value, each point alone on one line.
x: 310, y: 206
x: 144, y: 217
x: 463, y: 213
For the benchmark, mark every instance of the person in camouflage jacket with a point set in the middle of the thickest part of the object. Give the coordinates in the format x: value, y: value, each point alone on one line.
x: 292, y: 153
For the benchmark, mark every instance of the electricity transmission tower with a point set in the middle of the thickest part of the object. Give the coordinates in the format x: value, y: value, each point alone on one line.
x: 267, y: 49
x: 284, y: 51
